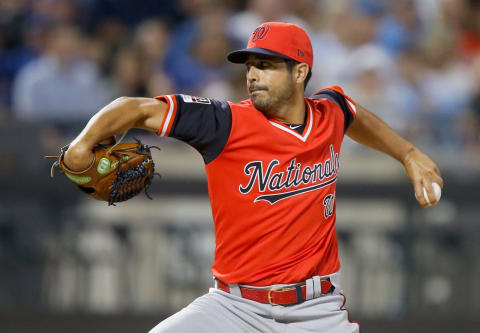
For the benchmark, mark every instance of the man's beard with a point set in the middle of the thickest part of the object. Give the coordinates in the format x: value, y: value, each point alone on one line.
x: 263, y: 103
x: 267, y: 103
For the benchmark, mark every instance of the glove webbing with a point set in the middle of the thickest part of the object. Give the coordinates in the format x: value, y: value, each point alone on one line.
x: 129, y: 182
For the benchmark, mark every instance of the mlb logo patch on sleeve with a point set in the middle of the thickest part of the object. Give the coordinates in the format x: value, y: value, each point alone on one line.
x: 195, y: 99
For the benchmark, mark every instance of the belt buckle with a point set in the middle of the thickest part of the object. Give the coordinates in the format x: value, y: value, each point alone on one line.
x: 269, y: 294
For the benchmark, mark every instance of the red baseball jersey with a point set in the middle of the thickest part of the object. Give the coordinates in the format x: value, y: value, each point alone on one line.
x: 271, y: 185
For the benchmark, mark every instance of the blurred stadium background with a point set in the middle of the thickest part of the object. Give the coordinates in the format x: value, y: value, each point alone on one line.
x: 68, y: 263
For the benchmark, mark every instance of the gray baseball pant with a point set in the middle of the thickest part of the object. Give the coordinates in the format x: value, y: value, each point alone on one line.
x: 219, y: 311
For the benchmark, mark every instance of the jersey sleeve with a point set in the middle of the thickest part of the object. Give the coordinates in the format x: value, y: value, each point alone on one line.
x: 346, y: 104
x: 201, y: 122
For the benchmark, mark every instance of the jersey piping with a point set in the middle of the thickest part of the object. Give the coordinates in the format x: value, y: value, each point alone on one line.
x: 339, y: 90
x: 167, y: 122
x: 287, y: 129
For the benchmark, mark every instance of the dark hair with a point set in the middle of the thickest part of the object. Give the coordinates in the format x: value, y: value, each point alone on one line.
x: 291, y: 63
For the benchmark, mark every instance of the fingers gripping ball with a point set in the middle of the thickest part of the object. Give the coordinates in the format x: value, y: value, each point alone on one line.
x: 118, y: 172
x: 436, y: 189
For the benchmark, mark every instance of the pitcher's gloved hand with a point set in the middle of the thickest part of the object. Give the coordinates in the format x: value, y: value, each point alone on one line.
x: 117, y: 172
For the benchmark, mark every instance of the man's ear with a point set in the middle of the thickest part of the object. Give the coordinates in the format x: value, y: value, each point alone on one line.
x: 301, y: 72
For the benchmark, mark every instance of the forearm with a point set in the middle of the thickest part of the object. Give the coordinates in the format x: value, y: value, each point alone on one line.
x: 117, y: 117
x: 373, y: 132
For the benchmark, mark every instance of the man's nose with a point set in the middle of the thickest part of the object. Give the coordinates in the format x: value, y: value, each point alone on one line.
x: 252, y: 74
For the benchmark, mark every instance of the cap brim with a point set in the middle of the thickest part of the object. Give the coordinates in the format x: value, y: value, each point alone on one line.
x: 240, y: 56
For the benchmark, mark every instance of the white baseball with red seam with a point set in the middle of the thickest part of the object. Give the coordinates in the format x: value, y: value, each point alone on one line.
x: 436, y: 190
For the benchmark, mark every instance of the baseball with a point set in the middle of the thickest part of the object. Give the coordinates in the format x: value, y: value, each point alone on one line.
x: 436, y: 189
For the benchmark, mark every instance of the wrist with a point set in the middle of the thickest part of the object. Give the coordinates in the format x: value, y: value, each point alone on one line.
x: 411, y: 150
x: 79, y: 156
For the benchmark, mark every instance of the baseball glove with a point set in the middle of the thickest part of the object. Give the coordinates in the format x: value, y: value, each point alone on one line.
x: 118, y: 172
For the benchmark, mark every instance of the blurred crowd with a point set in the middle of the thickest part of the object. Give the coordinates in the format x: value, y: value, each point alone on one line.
x: 416, y: 63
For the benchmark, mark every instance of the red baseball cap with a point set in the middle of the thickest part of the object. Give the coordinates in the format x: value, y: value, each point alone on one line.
x: 284, y: 40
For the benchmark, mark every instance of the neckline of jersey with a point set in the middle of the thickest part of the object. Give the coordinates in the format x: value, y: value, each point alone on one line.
x: 306, y: 131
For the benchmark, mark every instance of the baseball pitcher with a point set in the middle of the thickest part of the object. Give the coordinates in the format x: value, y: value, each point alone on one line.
x: 272, y: 163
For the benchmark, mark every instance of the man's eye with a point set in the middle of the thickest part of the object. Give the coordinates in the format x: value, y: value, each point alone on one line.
x: 259, y: 65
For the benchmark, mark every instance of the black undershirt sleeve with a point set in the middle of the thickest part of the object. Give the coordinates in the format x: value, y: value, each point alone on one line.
x: 338, y: 99
x: 203, y: 123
